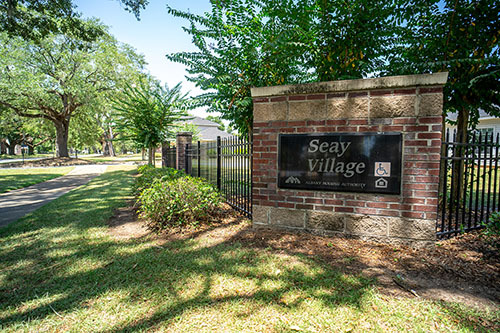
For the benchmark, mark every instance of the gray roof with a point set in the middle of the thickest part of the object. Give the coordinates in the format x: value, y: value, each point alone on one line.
x: 211, y: 133
x: 208, y: 129
x: 198, y: 121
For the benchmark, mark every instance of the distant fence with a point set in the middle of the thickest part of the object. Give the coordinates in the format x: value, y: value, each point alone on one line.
x: 227, y: 164
x: 470, y: 190
x: 169, y: 156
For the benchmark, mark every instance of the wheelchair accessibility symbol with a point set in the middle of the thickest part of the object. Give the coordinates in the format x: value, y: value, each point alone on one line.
x: 382, y: 169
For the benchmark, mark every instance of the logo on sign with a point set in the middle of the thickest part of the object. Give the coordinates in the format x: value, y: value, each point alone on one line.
x: 381, y: 183
x: 292, y: 180
x: 383, y: 169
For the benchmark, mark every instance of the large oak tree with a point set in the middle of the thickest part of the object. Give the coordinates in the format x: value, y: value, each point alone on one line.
x: 60, y: 76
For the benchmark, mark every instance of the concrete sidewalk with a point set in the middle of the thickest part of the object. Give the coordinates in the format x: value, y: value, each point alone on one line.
x: 15, y: 204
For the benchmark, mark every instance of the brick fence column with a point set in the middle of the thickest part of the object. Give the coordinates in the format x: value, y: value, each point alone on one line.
x: 182, y: 139
x: 410, y: 105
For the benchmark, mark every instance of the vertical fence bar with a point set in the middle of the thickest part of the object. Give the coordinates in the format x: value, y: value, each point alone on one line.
x: 445, y: 151
x: 186, y: 158
x: 231, y: 170
x: 218, y: 163
x: 473, y: 168
x: 478, y: 178
x: 458, y: 164
x: 251, y: 172
x: 495, y: 177
x: 484, y: 176
x: 199, y: 158
x: 226, y: 168
x: 465, y: 157
x: 245, y: 172
x: 450, y: 208
x: 490, y: 171
x: 238, y: 177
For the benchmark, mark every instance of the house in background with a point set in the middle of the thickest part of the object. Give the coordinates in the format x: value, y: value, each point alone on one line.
x: 486, y: 125
x: 209, y: 130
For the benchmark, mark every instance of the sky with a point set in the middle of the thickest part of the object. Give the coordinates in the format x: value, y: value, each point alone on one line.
x: 155, y: 35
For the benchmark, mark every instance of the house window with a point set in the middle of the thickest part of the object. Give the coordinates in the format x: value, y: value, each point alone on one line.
x: 486, y: 131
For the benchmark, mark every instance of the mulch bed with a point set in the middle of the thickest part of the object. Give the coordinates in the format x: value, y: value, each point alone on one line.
x: 463, y: 269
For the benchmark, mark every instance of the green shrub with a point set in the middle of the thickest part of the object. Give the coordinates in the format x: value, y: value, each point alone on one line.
x: 492, y: 230
x: 493, y: 226
x: 148, y: 173
x: 179, y: 202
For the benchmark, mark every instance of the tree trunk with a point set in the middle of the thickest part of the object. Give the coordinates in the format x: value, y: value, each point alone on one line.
x: 11, y: 149
x: 458, y: 166
x: 150, y: 155
x: 3, y: 148
x: 107, y: 146
x: 62, y: 129
x: 143, y: 152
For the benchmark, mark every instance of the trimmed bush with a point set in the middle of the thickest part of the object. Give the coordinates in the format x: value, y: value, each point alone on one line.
x: 179, y: 202
x: 148, y: 173
x: 492, y: 230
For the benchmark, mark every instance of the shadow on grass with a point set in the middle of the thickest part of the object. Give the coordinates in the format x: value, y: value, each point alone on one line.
x: 62, y: 253
x: 13, y: 182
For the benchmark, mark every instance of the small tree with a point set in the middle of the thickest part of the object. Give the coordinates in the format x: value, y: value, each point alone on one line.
x: 188, y: 127
x: 217, y: 120
x: 147, y: 113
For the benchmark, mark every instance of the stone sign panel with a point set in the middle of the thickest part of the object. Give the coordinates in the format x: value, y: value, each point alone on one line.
x: 347, y: 162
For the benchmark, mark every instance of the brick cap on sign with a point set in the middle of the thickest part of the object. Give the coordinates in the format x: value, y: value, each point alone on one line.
x: 352, y: 85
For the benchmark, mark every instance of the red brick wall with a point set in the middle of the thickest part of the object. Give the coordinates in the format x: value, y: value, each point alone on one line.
x: 413, y: 111
x: 421, y: 142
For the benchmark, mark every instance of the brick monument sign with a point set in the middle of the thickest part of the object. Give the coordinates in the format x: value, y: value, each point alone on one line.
x: 354, y: 157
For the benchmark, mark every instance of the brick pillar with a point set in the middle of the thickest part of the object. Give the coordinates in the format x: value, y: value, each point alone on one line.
x: 183, y: 138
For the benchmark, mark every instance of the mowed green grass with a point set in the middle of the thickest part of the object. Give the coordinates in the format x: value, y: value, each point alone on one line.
x: 27, y: 157
x: 60, y: 270
x: 11, y: 179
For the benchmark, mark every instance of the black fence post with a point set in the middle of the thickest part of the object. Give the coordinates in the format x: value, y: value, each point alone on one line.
x: 186, y: 159
x: 199, y: 158
x: 219, y: 180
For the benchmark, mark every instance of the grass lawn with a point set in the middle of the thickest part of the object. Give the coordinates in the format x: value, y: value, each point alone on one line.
x: 9, y: 157
x: 60, y: 270
x: 11, y: 179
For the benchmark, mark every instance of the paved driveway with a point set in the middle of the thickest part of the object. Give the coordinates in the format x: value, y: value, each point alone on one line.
x: 15, y: 204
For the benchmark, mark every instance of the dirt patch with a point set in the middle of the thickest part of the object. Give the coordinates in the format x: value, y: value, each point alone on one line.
x: 464, y: 269
x: 125, y: 224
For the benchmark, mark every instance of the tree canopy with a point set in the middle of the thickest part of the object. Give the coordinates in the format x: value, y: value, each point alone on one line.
x: 460, y: 37
x: 57, y: 78
x: 246, y: 43
x: 35, y: 19
x: 238, y: 48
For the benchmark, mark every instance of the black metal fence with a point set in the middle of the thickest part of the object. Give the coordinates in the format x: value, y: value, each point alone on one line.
x: 169, y: 156
x: 469, y: 192
x: 227, y: 164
